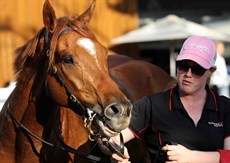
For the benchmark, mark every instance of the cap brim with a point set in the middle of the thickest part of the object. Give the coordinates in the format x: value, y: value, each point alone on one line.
x: 194, y: 58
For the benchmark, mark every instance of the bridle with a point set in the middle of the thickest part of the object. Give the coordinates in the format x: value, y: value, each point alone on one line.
x: 88, y: 115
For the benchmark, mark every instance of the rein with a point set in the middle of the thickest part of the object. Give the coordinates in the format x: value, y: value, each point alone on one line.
x: 64, y: 148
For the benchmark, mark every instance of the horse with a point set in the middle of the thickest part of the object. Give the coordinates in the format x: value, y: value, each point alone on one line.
x: 63, y: 65
x: 70, y: 92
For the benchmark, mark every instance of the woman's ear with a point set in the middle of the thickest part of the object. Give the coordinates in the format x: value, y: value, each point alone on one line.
x: 213, y: 69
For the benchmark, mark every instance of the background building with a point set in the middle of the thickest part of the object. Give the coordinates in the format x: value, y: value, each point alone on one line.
x: 214, y: 15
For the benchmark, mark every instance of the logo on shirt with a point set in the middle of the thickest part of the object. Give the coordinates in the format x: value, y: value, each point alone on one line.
x: 216, y: 124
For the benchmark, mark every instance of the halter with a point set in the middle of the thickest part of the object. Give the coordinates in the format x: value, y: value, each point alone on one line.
x: 88, y: 115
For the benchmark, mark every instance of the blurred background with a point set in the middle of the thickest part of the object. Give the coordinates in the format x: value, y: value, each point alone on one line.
x: 150, y: 30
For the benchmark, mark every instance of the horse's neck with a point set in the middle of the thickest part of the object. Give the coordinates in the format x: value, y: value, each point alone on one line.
x: 20, y: 99
x: 24, y: 97
x: 17, y: 103
x: 23, y: 108
x: 73, y: 131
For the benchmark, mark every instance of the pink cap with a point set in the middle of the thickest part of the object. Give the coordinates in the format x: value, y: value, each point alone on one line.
x: 200, y: 50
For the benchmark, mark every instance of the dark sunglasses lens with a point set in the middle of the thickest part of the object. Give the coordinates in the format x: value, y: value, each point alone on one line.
x: 182, y: 67
x: 197, y: 71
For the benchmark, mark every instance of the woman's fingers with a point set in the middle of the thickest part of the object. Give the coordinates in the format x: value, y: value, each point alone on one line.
x: 117, y: 158
x: 169, y: 147
x: 171, y: 151
x: 126, y: 154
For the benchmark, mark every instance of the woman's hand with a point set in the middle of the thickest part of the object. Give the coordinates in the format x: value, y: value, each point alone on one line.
x: 178, y: 153
x: 127, y: 135
x: 117, y: 159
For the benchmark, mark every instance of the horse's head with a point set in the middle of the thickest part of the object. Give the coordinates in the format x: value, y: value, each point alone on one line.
x: 78, y: 71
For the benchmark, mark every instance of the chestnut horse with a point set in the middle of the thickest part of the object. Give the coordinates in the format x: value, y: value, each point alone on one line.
x: 66, y: 94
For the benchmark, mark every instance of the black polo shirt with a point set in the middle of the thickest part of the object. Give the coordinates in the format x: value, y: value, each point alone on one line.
x: 161, y: 117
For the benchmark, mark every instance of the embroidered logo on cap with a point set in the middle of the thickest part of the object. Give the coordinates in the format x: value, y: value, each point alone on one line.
x: 197, y: 48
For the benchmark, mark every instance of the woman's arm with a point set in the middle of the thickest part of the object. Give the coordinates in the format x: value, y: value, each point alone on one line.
x: 182, y: 154
x: 127, y: 136
x: 179, y: 153
x: 227, y: 143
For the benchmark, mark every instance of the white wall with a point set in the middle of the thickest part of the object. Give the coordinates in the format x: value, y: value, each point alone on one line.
x: 5, y: 92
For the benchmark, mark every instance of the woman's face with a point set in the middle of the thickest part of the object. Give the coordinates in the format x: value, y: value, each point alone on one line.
x: 192, y: 77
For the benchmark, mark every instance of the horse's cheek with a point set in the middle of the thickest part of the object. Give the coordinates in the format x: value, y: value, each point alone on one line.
x: 56, y: 91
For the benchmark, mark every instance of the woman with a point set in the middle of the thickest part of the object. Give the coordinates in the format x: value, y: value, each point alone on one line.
x: 188, y: 123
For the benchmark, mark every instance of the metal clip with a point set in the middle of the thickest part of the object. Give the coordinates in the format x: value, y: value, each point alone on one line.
x: 91, y: 114
x: 88, y: 119
x: 73, y: 98
x: 53, y: 69
x: 48, y: 53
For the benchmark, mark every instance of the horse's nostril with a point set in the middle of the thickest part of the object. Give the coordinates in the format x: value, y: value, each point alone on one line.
x: 113, y: 110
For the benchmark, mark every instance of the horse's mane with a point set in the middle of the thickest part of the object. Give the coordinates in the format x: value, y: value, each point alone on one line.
x: 32, y: 51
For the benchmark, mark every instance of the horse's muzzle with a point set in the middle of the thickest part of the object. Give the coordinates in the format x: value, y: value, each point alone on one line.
x: 117, y: 117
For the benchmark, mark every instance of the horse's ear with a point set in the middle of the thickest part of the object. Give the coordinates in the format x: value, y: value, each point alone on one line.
x: 86, y: 16
x: 49, y: 17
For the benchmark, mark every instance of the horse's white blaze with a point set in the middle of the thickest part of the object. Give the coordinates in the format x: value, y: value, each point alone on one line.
x: 88, y: 45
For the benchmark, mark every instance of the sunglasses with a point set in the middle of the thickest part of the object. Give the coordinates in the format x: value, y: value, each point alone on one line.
x: 197, y: 71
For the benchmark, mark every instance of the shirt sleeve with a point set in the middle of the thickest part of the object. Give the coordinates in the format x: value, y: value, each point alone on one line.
x: 141, y: 116
x: 224, y: 156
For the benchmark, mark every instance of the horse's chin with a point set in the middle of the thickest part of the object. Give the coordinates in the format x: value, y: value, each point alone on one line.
x: 106, y: 130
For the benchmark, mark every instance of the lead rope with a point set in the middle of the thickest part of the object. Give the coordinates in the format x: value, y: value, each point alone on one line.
x: 78, y: 152
x: 64, y: 148
x: 115, y: 148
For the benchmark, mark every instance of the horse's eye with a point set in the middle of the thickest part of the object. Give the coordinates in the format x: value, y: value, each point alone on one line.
x: 67, y: 59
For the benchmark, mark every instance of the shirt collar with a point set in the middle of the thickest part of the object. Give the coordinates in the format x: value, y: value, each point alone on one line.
x: 175, y: 102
